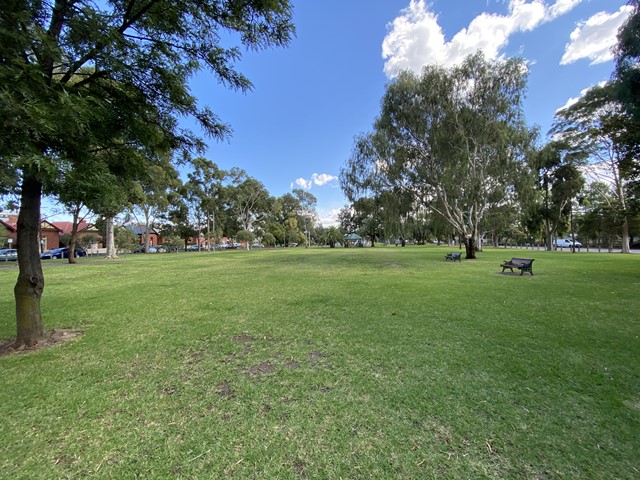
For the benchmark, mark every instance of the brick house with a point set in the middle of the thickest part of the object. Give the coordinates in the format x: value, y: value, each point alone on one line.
x: 49, y: 233
x: 140, y: 230
x: 85, y: 230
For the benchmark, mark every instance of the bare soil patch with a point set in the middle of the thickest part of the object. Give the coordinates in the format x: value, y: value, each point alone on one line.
x: 54, y: 337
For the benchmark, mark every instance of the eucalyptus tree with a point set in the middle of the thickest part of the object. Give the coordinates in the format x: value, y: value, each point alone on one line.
x: 248, y: 199
x: 452, y: 138
x: 626, y: 80
x: 77, y: 74
x: 559, y: 181
x: 598, y: 125
x: 601, y: 220
x: 307, y: 210
x: 207, y: 193
x: 153, y: 193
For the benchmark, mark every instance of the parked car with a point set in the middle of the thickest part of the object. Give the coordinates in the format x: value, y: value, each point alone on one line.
x: 8, y: 255
x: 567, y: 242
x: 142, y: 249
x: 257, y: 245
x: 62, y: 252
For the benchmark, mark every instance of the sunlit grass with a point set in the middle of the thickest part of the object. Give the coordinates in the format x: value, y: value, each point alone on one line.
x: 329, y: 363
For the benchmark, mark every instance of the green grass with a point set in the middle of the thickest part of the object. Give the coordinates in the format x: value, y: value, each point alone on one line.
x: 337, y: 363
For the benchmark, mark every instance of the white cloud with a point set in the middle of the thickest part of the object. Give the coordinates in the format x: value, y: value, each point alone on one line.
x: 560, y: 8
x: 322, y: 178
x: 573, y: 100
x: 329, y: 218
x: 594, y: 38
x: 318, y: 179
x: 302, y: 183
x: 415, y: 38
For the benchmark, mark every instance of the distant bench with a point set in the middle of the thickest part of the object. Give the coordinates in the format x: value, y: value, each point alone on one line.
x: 453, y: 256
x: 522, y: 264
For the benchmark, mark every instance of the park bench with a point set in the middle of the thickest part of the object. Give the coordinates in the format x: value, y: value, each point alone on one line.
x: 522, y: 264
x: 453, y: 256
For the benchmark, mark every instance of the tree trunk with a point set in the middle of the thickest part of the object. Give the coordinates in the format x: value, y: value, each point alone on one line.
x: 111, y: 242
x: 470, y: 247
x: 73, y: 238
x: 30, y: 283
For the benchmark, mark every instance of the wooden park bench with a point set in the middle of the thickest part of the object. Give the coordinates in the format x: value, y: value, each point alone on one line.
x: 522, y: 264
x: 453, y: 256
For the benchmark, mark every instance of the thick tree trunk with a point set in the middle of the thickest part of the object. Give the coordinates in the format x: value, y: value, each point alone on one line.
x: 625, y: 235
x: 111, y: 243
x: 30, y: 284
x: 470, y: 247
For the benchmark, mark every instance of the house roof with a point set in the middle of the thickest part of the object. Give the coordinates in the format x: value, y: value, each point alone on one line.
x: 141, y: 229
x: 11, y: 222
x: 10, y: 227
x: 47, y: 225
x: 67, y: 226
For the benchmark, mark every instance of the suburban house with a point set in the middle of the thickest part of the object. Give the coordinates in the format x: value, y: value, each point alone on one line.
x: 50, y: 232
x: 85, y: 230
x: 140, y: 230
x: 49, y: 235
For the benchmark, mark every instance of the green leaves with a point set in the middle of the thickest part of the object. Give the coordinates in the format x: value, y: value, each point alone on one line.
x: 451, y: 139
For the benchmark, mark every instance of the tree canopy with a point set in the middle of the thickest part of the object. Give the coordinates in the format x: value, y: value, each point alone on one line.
x: 453, y: 139
x: 112, y: 78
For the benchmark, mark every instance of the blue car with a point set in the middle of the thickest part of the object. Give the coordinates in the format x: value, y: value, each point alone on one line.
x: 62, y: 252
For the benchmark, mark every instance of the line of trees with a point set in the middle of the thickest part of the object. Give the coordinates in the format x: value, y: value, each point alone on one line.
x: 450, y: 156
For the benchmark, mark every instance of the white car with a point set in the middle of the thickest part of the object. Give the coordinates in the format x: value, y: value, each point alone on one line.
x: 567, y: 242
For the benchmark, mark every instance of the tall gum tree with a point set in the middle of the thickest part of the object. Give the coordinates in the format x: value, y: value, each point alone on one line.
x: 75, y: 64
x: 598, y: 125
x: 453, y: 139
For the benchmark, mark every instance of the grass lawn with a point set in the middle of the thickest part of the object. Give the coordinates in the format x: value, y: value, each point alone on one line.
x: 384, y: 363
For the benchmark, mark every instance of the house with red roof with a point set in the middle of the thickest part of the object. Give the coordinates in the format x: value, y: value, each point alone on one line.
x: 85, y: 230
x: 8, y: 231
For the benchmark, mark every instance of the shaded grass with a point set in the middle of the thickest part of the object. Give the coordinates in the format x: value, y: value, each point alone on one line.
x: 359, y: 363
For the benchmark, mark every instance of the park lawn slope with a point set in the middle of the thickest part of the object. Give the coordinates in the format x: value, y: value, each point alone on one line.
x: 329, y: 363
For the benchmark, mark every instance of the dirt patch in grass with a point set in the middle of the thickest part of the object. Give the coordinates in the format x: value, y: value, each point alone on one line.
x: 244, y: 338
x: 263, y: 368
x: 54, y: 337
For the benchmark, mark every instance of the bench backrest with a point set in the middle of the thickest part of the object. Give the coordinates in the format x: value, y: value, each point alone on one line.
x: 522, y: 261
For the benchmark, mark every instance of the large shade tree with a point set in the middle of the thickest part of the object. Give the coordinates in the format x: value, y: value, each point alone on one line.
x: 205, y: 191
x: 452, y: 138
x: 627, y: 81
x: 598, y: 125
x: 77, y: 75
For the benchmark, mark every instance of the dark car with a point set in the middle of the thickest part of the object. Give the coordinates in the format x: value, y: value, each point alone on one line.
x: 62, y: 252
x: 8, y: 254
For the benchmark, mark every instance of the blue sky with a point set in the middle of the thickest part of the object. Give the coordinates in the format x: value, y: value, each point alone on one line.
x: 295, y: 129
